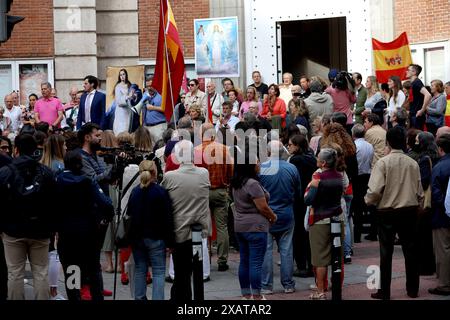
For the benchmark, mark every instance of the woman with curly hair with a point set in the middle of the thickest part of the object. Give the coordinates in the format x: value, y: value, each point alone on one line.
x: 336, y: 133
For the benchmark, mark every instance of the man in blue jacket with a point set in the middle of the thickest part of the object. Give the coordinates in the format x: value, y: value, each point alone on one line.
x: 92, y: 104
x: 441, y: 221
x: 282, y: 180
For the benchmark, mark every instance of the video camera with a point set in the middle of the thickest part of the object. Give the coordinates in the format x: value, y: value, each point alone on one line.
x: 344, y: 80
x: 121, y: 156
x: 126, y: 154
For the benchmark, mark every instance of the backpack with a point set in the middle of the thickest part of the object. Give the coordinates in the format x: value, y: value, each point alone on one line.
x: 26, y: 193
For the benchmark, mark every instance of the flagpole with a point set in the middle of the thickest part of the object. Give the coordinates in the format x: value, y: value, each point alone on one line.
x: 167, y: 62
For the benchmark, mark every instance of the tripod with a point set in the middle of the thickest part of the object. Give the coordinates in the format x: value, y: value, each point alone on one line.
x: 120, y: 223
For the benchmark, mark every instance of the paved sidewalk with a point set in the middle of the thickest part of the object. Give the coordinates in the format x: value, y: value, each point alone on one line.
x: 225, y: 285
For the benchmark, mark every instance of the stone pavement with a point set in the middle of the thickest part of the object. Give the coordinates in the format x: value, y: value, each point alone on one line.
x: 225, y: 285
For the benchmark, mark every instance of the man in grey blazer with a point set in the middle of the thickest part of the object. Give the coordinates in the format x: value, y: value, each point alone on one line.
x: 188, y: 187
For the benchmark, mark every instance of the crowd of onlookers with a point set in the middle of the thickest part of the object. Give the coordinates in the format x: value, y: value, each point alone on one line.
x: 278, y: 163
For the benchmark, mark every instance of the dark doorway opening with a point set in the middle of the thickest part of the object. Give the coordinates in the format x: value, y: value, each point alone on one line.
x: 312, y: 47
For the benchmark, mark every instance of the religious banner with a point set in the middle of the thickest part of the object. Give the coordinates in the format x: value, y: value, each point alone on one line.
x: 216, y: 47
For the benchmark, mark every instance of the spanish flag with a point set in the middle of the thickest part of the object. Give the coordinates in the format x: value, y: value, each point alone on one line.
x: 392, y: 58
x: 169, y: 69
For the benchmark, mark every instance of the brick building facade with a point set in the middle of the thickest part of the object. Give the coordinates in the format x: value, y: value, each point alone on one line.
x: 185, y: 12
x: 124, y: 32
x: 33, y: 37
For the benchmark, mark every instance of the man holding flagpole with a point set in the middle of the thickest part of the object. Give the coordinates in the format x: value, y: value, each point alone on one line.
x: 154, y: 118
x: 169, y: 68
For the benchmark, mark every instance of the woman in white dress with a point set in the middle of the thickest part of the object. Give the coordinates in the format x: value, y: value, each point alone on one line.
x: 396, y: 95
x: 122, y: 115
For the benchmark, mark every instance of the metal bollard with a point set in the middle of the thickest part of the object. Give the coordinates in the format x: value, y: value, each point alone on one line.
x: 197, y: 262
x: 336, y: 259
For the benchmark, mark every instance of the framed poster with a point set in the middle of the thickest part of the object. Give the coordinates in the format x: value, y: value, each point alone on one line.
x: 30, y: 77
x: 135, y: 75
x: 216, y: 47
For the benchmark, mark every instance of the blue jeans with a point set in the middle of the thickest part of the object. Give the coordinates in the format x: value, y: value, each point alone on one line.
x: 348, y: 220
x: 153, y: 252
x: 284, y: 242
x: 252, y: 247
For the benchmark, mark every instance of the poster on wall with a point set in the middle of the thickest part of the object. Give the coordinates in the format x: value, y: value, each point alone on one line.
x: 31, y: 76
x: 216, y: 47
x: 5, y: 81
x: 135, y: 75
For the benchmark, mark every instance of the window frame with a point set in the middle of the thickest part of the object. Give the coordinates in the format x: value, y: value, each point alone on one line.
x: 420, y: 54
x: 15, y: 71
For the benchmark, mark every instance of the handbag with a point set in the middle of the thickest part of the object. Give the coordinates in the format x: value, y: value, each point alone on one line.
x: 427, y: 193
x: 123, y: 225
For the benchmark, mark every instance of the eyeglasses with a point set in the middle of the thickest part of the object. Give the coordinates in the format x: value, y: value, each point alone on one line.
x: 4, y: 147
x: 191, y: 84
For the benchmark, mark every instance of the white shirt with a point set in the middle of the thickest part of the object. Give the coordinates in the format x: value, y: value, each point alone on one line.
x: 395, y: 106
x: 364, y: 156
x: 87, y: 106
x: 14, y: 114
x: 231, y: 124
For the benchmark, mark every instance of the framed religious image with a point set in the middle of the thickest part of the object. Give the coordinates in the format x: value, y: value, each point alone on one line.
x: 216, y: 47
x: 135, y: 74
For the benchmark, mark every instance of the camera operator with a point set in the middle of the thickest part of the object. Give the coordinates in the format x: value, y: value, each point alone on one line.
x: 342, y: 91
x: 96, y: 169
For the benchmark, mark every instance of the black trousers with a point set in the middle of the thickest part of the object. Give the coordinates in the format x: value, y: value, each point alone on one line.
x: 182, y: 264
x: 300, y: 241
x: 432, y: 128
x: 83, y: 253
x: 427, y: 263
x: 3, y: 274
x: 403, y: 222
x: 358, y: 206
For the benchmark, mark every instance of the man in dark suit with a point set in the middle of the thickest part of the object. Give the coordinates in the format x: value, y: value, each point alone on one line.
x: 92, y: 104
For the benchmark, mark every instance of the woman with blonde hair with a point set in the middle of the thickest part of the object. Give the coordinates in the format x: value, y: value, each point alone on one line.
x: 54, y: 151
x: 53, y: 157
x: 374, y: 96
x: 251, y: 95
x: 151, y: 230
x: 109, y: 140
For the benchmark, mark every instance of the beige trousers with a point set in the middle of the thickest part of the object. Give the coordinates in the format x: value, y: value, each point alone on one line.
x: 17, y: 250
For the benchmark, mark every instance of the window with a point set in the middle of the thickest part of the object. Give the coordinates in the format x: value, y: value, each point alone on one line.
x: 25, y: 77
x: 434, y: 57
x: 189, y: 68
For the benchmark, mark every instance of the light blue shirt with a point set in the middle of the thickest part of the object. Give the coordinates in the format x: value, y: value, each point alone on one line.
x: 447, y: 201
x: 364, y: 155
x: 154, y: 117
x: 282, y: 180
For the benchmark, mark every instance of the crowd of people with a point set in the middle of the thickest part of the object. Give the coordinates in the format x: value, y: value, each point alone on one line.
x: 275, y: 163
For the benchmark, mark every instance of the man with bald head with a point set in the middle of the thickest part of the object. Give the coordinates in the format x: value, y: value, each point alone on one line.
x: 215, y: 157
x: 13, y: 112
x: 71, y: 108
x: 15, y: 96
x: 282, y: 180
x: 441, y: 131
x: 212, y: 103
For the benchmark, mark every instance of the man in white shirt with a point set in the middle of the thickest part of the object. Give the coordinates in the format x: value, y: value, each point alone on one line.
x: 227, y: 120
x: 364, y: 156
x: 13, y: 112
x: 212, y: 103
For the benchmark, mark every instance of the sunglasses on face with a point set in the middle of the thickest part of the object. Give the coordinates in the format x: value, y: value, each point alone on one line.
x: 191, y: 84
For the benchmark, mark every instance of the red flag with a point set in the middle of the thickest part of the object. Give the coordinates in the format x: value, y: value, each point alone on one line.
x: 169, y: 69
x: 392, y: 58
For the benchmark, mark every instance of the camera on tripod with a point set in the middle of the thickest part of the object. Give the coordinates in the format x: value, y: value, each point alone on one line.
x: 344, y: 80
x: 121, y: 156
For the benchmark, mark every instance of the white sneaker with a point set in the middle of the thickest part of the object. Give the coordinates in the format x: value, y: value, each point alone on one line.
x: 266, y: 291
x: 289, y: 290
x: 58, y: 297
x: 313, y: 287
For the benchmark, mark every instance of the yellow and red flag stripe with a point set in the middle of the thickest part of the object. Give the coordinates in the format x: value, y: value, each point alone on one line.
x: 169, y: 59
x: 391, y: 58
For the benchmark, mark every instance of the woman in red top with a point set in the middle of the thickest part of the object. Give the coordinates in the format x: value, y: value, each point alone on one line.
x: 274, y: 106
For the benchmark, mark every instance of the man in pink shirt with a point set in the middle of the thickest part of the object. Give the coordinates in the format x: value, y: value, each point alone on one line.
x: 48, y: 109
